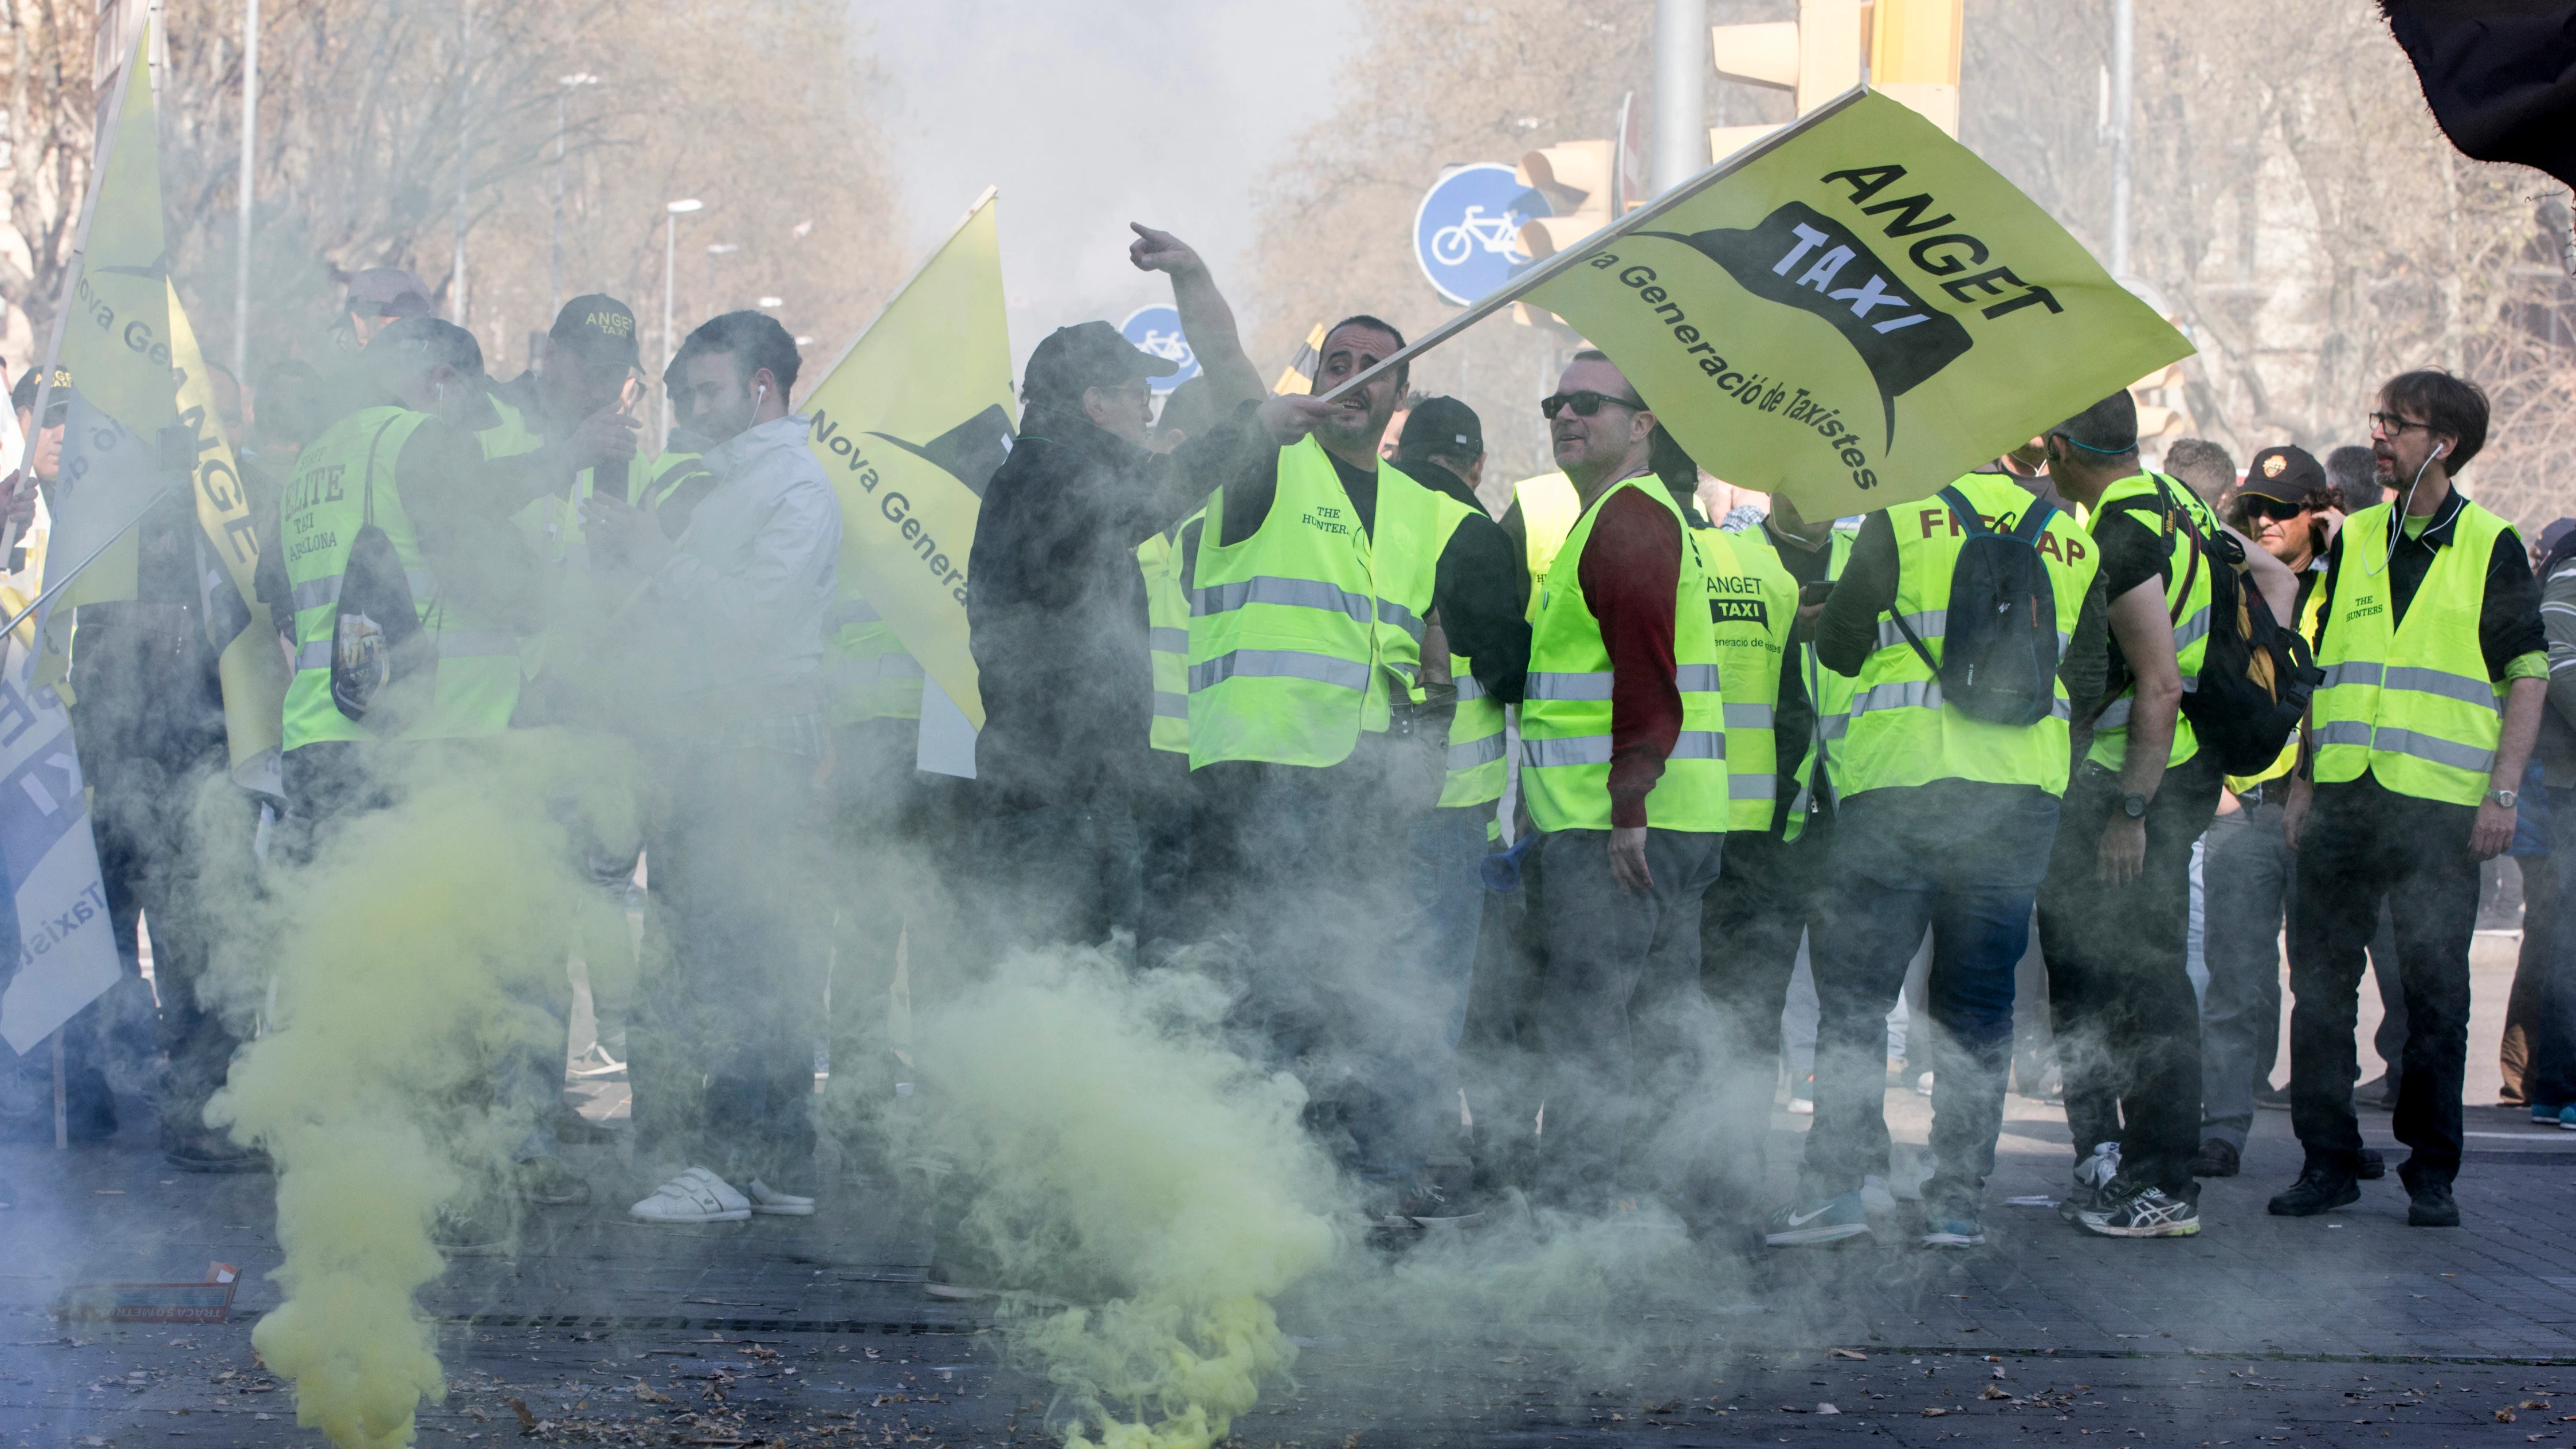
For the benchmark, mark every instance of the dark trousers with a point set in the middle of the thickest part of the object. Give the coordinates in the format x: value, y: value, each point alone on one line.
x: 2121, y: 1007
x: 1622, y: 1021
x: 1768, y: 893
x: 2530, y: 1037
x: 1965, y: 859
x: 2361, y: 843
x: 735, y: 876
x: 146, y: 819
x: 2549, y: 1076
x: 1301, y: 872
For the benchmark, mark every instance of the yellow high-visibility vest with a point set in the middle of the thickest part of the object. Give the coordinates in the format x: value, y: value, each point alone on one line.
x: 1901, y: 732
x: 1565, y: 711
x: 2412, y: 705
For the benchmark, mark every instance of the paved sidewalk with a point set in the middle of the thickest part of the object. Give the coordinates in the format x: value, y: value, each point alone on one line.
x: 2326, y: 1331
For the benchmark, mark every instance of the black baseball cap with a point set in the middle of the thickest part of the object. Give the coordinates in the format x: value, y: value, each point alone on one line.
x: 1086, y: 355
x: 22, y: 393
x: 598, y: 329
x: 1442, y: 425
x: 2286, y: 475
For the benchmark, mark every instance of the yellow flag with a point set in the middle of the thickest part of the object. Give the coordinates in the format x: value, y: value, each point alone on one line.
x: 909, y: 424
x: 237, y: 623
x: 1858, y: 315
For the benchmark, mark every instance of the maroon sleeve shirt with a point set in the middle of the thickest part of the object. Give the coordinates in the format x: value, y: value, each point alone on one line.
x: 1630, y: 570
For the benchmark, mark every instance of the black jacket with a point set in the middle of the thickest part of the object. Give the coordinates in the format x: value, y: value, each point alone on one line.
x: 1055, y: 608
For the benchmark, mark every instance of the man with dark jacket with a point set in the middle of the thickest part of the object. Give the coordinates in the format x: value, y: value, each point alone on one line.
x: 1056, y: 607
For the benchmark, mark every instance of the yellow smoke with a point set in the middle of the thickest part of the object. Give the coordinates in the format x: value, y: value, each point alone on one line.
x: 405, y: 959
x: 1123, y: 1158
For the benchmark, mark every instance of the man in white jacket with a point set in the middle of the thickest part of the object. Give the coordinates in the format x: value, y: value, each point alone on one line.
x: 733, y: 608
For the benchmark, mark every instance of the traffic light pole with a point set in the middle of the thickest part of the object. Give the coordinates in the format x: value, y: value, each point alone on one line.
x: 1573, y: 256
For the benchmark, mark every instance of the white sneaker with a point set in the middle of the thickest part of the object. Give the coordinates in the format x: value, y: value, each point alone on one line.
x: 769, y: 1200
x: 696, y: 1196
x: 1874, y: 1196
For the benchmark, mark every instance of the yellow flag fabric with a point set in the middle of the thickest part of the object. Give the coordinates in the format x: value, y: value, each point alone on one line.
x: 116, y: 346
x: 237, y: 623
x: 1859, y: 315
x: 909, y: 424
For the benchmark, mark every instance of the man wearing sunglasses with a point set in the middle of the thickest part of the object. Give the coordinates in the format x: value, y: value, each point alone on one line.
x: 1314, y: 738
x: 45, y: 444
x: 1623, y: 771
x: 2247, y: 864
x: 2436, y: 675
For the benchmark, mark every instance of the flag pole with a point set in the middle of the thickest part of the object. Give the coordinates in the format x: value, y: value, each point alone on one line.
x: 64, y: 582
x: 1566, y: 260
x: 99, y: 159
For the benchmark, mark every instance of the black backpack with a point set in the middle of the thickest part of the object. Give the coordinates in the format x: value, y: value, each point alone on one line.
x: 382, y: 662
x: 1999, y: 642
x: 2255, y: 674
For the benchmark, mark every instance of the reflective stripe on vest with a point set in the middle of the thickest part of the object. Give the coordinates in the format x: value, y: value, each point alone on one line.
x: 2187, y: 603
x: 1566, y: 715
x: 1900, y: 731
x: 2394, y: 703
x: 1297, y: 633
x: 1167, y: 639
x: 865, y: 673
x: 1753, y: 607
x: 1477, y: 773
x: 325, y: 504
x: 1829, y: 694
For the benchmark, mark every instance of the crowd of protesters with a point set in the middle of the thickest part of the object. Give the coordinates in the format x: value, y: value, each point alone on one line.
x: 1551, y: 802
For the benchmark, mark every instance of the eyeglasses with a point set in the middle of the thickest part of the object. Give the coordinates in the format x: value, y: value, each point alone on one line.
x: 2260, y: 507
x: 2390, y: 425
x: 1585, y: 403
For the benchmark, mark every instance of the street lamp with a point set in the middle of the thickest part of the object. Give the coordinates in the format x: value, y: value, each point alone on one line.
x: 715, y: 250
x: 672, y: 213
x: 564, y: 87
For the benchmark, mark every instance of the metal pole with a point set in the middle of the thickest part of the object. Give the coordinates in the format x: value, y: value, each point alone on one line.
x: 557, y: 305
x: 1681, y: 92
x: 249, y: 156
x: 2124, y: 26
x: 670, y: 259
x: 464, y: 137
x: 62, y: 1114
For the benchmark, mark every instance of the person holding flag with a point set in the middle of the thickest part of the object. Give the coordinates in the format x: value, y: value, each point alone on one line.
x: 1314, y: 735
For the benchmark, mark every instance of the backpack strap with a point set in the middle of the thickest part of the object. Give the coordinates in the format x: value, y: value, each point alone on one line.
x: 1966, y: 512
x: 2191, y: 528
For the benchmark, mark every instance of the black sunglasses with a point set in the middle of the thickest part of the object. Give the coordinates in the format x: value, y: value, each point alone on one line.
x: 1584, y: 403
x: 2257, y: 506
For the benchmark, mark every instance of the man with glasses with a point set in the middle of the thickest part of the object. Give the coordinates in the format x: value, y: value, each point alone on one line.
x: 2436, y: 675
x: 1623, y: 770
x: 2246, y: 863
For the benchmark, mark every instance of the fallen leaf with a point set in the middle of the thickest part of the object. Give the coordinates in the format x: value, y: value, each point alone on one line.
x: 1991, y: 1392
x: 2504, y: 1416
x: 1934, y: 1413
x: 1827, y: 1409
x: 1846, y: 1353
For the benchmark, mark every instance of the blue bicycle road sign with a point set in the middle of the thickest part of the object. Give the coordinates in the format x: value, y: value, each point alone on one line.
x: 1467, y: 231
x: 1157, y: 329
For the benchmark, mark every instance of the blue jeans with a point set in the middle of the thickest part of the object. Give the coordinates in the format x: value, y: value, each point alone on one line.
x: 1446, y: 850
x: 1966, y: 859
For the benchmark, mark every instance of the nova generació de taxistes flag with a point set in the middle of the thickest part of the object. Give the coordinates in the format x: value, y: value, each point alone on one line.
x: 909, y: 425
x: 1857, y: 315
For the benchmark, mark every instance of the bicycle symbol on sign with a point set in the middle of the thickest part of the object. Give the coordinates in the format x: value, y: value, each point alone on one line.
x: 1171, y: 346
x: 1451, y: 244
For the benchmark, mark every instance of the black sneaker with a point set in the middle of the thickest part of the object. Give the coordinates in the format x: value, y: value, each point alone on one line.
x: 2217, y: 1158
x: 2271, y: 1098
x: 2430, y: 1205
x: 2319, y: 1189
x: 2373, y: 1166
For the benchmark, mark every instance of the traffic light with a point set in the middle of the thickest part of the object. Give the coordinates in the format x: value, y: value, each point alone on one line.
x: 1908, y: 49
x: 1578, y: 178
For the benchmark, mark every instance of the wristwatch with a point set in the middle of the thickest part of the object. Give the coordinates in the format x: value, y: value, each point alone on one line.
x: 2134, y: 806
x: 2505, y: 798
